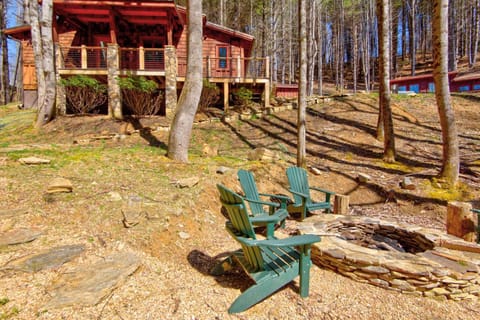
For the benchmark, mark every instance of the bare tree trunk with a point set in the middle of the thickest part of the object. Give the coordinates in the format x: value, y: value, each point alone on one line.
x: 451, y: 158
x: 452, y: 37
x: 4, y: 82
x: 413, y: 38
x: 181, y: 129
x: 302, y: 89
x: 394, y: 44
x: 42, y: 42
x: 385, y: 111
x: 320, y: 49
x: 355, y: 57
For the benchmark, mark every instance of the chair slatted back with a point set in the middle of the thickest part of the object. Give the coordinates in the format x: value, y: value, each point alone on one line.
x: 249, y: 187
x: 298, y: 180
x: 240, y: 222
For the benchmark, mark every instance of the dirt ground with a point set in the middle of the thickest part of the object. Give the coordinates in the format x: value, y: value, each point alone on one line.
x: 181, y: 236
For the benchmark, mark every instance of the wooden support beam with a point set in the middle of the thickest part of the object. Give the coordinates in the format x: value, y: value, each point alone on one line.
x: 113, y: 27
x: 141, y: 58
x: 239, y: 67
x: 209, y: 67
x: 83, y: 57
x: 226, y: 93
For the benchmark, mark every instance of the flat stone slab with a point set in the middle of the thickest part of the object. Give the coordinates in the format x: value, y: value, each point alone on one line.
x: 18, y: 236
x: 10, y: 213
x: 50, y: 259
x: 58, y: 185
x: 88, y: 285
x: 33, y: 160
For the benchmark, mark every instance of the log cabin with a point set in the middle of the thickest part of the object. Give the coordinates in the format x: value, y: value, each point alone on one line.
x: 424, y: 83
x: 108, y: 39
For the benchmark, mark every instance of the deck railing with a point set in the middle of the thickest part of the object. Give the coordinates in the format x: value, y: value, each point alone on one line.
x: 229, y: 67
x: 142, y: 59
x: 146, y: 59
x: 84, y: 57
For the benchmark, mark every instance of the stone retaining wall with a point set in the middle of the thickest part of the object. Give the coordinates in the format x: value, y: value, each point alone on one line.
x: 434, y: 272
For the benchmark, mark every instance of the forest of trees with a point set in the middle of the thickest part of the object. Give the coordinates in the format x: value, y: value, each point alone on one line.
x: 342, y: 37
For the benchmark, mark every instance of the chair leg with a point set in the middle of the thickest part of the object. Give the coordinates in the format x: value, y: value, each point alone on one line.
x: 305, y: 264
x: 260, y: 291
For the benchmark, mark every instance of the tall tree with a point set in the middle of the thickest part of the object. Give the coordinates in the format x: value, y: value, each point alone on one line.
x: 451, y: 159
x: 302, y: 84
x: 4, y: 81
x: 40, y: 19
x: 181, y: 129
x: 385, y: 121
x: 412, y: 33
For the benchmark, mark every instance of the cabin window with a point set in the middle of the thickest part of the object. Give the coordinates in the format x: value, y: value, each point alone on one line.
x: 431, y: 87
x: 402, y: 88
x: 415, y: 88
x: 476, y: 87
x: 464, y: 88
x: 222, y: 57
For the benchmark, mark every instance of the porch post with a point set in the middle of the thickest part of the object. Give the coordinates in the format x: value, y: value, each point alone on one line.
x: 266, y: 98
x: 114, y: 93
x: 226, y: 94
x: 83, y: 57
x: 141, y: 58
x: 239, y: 67
x: 170, y: 78
x: 61, y: 99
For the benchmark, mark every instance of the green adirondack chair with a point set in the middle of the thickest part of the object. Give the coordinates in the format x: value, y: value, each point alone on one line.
x: 277, y: 212
x: 271, y: 263
x: 302, y: 200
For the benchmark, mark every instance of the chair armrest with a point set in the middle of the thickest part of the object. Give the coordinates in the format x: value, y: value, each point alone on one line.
x: 303, y: 195
x: 267, y: 203
x: 301, y: 240
x: 278, y: 196
x: 282, y: 198
x: 267, y: 218
x: 322, y: 190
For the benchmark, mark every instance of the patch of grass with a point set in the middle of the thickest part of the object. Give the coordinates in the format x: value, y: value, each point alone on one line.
x: 10, y: 314
x: 16, y: 125
x: 4, y: 301
x: 435, y: 190
x: 396, y: 166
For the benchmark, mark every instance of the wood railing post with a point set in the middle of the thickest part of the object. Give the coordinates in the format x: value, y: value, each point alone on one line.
x: 239, y: 67
x: 209, y: 69
x: 267, y: 67
x: 83, y: 57
x: 141, y: 58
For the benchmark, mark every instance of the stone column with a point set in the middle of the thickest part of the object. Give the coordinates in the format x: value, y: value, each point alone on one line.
x: 170, y: 78
x: 114, y: 93
x: 61, y: 99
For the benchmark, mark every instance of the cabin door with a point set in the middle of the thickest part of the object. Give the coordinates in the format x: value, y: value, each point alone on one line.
x: 99, y: 53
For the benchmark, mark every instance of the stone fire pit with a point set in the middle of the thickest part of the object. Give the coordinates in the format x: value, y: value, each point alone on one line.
x: 370, y: 250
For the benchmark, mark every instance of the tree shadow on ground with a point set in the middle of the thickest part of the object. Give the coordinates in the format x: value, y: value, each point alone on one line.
x: 146, y: 133
x: 281, y: 129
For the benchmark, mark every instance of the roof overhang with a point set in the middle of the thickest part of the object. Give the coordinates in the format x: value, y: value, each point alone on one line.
x: 150, y: 12
x: 21, y: 32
